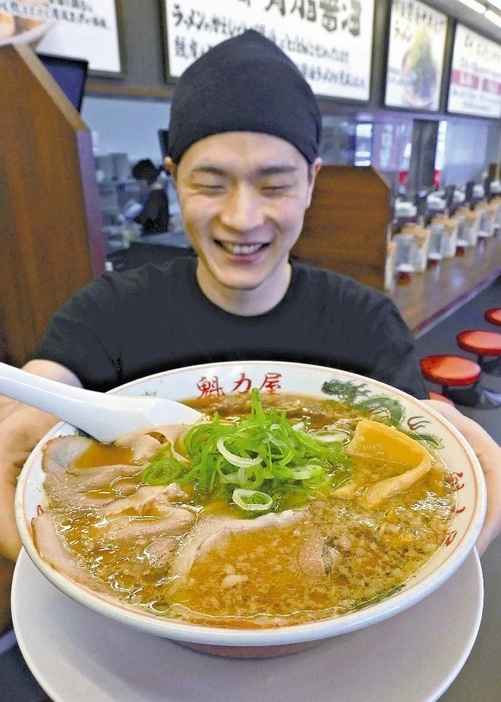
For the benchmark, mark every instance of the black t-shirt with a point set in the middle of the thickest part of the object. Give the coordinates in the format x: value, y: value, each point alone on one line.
x: 126, y: 325
x: 154, y: 217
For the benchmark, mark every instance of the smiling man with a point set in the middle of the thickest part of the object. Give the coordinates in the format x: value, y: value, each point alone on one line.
x: 245, y: 170
x: 243, y: 196
x: 244, y: 141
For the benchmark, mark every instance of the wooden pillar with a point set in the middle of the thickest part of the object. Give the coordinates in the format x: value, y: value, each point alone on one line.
x: 50, y: 225
x: 346, y: 227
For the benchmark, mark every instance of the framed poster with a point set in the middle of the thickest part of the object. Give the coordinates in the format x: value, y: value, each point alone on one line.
x: 416, y: 50
x: 475, y: 79
x: 329, y: 41
x: 66, y: 28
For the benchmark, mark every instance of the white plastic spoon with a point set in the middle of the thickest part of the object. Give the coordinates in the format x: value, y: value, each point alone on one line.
x: 103, y: 416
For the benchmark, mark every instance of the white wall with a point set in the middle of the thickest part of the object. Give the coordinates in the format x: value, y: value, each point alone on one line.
x: 127, y: 125
x: 131, y: 126
x: 466, y: 156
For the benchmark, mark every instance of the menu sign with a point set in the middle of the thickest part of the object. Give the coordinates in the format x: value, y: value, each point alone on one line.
x: 329, y: 41
x: 79, y: 29
x: 415, y: 56
x: 475, y: 81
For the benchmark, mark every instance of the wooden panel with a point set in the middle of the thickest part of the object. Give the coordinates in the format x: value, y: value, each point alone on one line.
x: 50, y: 226
x: 346, y: 227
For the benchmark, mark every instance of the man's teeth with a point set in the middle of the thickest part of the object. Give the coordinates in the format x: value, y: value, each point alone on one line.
x: 241, y: 249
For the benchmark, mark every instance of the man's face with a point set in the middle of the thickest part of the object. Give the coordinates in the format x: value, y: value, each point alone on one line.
x: 243, y: 196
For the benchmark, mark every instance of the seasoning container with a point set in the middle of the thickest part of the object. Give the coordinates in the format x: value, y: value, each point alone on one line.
x: 389, y: 268
x: 422, y: 239
x: 435, y: 203
x: 405, y: 255
x: 468, y: 228
x: 435, y: 246
x: 449, y: 234
x: 404, y: 209
x: 404, y: 273
x: 478, y: 191
x: 496, y: 201
x: 487, y: 220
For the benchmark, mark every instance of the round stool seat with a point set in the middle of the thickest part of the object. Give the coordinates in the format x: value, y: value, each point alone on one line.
x: 493, y: 316
x: 450, y: 370
x: 437, y: 396
x: 483, y: 343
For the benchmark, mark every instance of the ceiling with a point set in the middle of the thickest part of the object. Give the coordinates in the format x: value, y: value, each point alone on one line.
x: 469, y: 17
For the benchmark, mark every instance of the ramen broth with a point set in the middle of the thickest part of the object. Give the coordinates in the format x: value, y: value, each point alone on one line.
x: 326, y: 557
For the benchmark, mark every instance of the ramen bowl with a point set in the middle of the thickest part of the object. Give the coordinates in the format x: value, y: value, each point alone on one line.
x: 383, y: 404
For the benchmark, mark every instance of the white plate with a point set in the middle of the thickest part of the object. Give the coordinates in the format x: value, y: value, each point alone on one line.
x: 79, y: 655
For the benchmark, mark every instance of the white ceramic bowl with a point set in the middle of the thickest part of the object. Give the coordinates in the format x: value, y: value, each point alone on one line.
x: 291, y: 378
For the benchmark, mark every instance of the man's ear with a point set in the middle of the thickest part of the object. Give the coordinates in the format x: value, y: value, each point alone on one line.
x: 314, y: 169
x: 170, y: 166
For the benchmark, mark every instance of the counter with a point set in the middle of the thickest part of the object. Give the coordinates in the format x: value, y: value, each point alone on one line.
x: 434, y: 294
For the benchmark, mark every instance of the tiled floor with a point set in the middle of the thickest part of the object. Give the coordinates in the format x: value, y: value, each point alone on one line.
x: 480, y: 679
x: 442, y: 339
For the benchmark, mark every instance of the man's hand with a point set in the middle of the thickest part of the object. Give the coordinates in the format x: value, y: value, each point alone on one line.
x: 6, y: 572
x: 489, y: 454
x: 21, y: 427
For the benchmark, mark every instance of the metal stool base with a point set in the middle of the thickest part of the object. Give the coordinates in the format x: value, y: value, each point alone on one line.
x: 492, y: 367
x: 474, y: 396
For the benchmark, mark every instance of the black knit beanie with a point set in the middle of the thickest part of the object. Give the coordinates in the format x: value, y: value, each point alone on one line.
x: 244, y: 84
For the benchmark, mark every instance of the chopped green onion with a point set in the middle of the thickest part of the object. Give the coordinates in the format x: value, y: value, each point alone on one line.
x: 252, y: 500
x: 238, y: 461
x: 301, y: 474
x: 251, y: 477
x: 261, y: 454
x: 163, y: 469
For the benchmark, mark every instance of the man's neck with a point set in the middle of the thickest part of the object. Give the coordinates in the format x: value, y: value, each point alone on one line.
x: 245, y: 303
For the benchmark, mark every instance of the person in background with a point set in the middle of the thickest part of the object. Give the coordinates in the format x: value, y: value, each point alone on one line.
x: 154, y: 216
x: 245, y: 167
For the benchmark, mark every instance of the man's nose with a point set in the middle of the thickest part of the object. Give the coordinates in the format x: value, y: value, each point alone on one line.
x: 242, y: 209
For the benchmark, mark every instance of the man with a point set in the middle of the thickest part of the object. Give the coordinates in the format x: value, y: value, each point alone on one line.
x: 244, y: 140
x: 154, y: 215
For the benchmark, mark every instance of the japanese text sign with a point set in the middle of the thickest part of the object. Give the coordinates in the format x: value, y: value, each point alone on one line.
x: 329, y: 41
x: 475, y: 81
x: 79, y: 29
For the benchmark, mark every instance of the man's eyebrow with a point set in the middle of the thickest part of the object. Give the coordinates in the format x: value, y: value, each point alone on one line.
x: 207, y: 168
x: 275, y: 169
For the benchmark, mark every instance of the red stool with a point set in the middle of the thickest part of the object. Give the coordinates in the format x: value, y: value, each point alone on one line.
x: 483, y: 343
x: 437, y: 396
x: 493, y: 316
x: 459, y: 378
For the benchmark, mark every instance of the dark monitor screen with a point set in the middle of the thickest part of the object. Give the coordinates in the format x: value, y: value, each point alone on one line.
x: 70, y: 74
x: 163, y: 136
